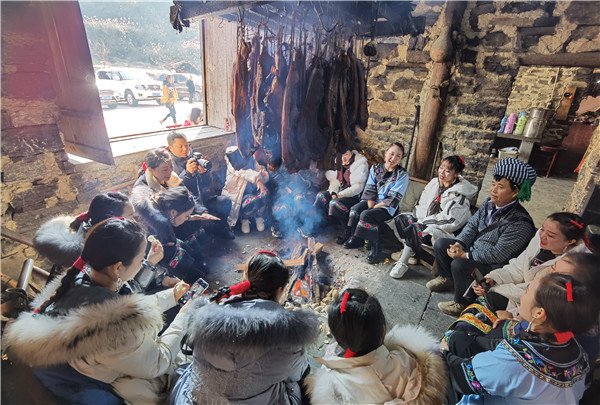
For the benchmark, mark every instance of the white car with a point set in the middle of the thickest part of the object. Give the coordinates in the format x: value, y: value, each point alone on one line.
x: 129, y: 84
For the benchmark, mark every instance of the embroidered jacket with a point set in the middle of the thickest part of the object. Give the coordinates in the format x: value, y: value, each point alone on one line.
x: 530, y: 373
x: 388, y: 190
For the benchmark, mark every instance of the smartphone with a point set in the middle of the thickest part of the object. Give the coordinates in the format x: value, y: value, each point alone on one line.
x: 476, y: 274
x: 197, y: 289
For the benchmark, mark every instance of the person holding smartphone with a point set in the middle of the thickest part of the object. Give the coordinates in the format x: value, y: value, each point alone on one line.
x: 498, y: 231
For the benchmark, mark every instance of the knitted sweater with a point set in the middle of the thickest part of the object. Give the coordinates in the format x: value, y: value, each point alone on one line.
x: 497, y: 246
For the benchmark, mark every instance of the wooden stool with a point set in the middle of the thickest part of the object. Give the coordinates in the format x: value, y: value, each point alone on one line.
x: 554, y: 150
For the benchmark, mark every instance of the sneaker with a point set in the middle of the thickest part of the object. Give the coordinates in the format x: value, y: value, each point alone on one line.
x: 276, y: 233
x: 399, y: 270
x: 260, y: 224
x: 245, y: 226
x: 451, y: 308
x: 413, y: 260
x: 440, y: 283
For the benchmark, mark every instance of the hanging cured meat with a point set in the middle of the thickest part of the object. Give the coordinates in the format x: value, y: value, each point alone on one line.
x: 313, y: 135
x: 240, y: 101
x: 274, y: 103
x: 262, y: 84
x: 284, y: 110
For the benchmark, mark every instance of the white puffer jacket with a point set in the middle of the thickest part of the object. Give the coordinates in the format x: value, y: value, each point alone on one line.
x: 359, y: 172
x: 513, y: 278
x: 456, y: 208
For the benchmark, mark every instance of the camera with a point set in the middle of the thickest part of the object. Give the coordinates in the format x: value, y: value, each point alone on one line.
x: 202, y: 161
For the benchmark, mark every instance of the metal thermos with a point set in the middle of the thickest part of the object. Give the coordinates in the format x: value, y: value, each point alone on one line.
x: 537, y: 123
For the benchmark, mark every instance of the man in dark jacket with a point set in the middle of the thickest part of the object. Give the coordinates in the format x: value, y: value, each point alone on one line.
x: 191, y: 88
x: 197, y: 179
x: 498, y: 231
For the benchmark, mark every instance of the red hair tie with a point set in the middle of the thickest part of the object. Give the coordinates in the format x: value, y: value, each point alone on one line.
x: 240, y: 288
x: 344, y: 302
x: 144, y: 167
x: 569, y: 292
x: 79, y: 263
x: 564, y: 337
x: 462, y: 160
x: 349, y: 353
x: 84, y: 216
x: 266, y: 251
x: 577, y: 224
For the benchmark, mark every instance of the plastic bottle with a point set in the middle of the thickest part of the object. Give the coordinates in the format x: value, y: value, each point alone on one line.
x: 502, y: 124
x: 521, y: 123
x: 510, y: 123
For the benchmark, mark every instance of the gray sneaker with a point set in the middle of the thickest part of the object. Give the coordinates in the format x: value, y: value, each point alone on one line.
x: 440, y: 283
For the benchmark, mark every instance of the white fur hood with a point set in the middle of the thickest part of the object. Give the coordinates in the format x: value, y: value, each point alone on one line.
x: 113, y: 325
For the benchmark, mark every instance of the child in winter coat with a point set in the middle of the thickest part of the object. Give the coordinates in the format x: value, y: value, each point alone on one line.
x: 369, y: 366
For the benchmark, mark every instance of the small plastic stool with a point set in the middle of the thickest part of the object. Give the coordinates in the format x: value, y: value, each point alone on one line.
x: 554, y: 150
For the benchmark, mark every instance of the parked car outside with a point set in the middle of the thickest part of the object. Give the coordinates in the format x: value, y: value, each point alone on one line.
x: 129, y: 84
x: 107, y: 96
x: 180, y: 83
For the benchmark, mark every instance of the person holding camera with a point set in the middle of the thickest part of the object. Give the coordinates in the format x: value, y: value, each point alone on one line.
x: 194, y: 169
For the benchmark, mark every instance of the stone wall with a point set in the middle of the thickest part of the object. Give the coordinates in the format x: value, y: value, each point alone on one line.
x: 543, y: 87
x: 488, y: 39
x: 588, y: 178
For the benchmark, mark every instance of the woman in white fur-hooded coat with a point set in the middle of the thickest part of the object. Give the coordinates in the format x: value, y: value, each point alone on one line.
x: 82, y: 324
x: 368, y: 366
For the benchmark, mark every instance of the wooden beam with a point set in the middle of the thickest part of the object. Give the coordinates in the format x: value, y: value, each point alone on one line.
x: 7, y: 233
x: 584, y: 59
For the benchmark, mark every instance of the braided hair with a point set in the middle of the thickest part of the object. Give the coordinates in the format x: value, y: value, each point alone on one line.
x: 111, y: 241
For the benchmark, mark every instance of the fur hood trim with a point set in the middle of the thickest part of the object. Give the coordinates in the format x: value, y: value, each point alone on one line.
x: 114, y: 325
x: 47, y: 292
x: 145, y: 210
x: 56, y: 241
x: 324, y: 386
x: 421, y: 343
x: 254, y: 326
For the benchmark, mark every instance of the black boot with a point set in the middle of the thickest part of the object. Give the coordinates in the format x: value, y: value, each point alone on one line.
x: 373, y: 256
x: 353, y: 242
x: 343, y: 238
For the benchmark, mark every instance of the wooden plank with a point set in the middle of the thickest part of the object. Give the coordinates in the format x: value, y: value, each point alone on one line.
x: 7, y: 233
x: 81, y: 119
x: 583, y: 59
x: 565, y: 103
